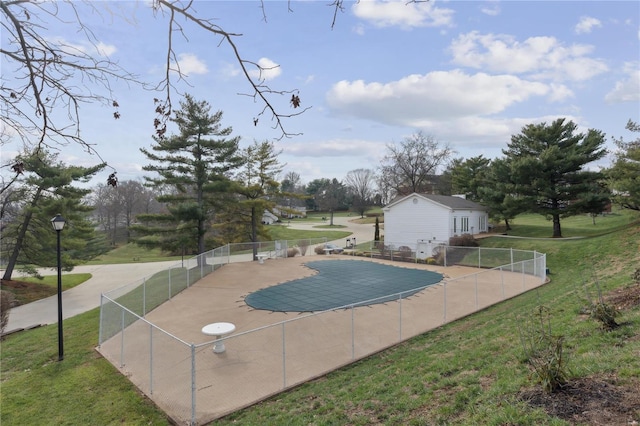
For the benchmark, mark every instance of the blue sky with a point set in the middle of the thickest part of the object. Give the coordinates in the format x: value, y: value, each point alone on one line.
x: 470, y: 74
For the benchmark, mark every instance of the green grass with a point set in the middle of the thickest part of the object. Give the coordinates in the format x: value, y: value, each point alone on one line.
x: 467, y: 372
x: 68, y: 280
x: 537, y: 226
x: 277, y: 232
x: 130, y: 253
x: 47, y: 286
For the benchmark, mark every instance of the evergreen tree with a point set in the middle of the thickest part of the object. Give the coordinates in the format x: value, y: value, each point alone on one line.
x: 196, y: 164
x: 258, y: 190
x: 498, y: 193
x: 47, y: 189
x: 547, y: 167
x: 468, y: 176
x: 624, y: 175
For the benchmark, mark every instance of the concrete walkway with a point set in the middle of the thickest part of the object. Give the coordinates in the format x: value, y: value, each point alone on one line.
x: 83, y: 297
x: 86, y: 296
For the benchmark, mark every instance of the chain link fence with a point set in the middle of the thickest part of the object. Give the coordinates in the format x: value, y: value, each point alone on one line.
x: 194, y: 387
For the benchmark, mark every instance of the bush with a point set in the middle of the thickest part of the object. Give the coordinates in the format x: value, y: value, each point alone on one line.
x: 464, y: 240
x: 405, y: 252
x: 292, y: 252
x: 543, y: 350
x: 319, y: 249
x: 303, y: 245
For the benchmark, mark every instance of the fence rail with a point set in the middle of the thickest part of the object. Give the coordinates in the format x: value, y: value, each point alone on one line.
x: 194, y: 388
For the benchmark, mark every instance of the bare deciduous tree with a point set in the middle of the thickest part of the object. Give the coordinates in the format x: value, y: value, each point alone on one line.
x: 412, y: 166
x: 46, y: 79
x: 360, y: 183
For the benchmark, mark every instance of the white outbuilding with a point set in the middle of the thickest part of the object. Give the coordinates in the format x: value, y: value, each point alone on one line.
x: 421, y: 221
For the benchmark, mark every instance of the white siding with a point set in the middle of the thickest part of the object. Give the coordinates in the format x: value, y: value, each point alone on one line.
x: 407, y: 222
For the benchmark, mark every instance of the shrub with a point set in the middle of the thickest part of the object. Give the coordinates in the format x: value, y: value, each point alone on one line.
x: 543, y: 350
x: 601, y: 311
x: 464, y: 240
x: 405, y: 252
x: 303, y: 245
x: 319, y: 249
x: 292, y: 252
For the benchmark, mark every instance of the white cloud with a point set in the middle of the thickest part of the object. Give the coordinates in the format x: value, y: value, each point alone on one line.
x: 587, y: 24
x: 492, y: 8
x: 189, y: 63
x: 268, y: 70
x: 84, y: 47
x: 542, y: 57
x: 628, y: 89
x: 403, y: 14
x: 437, y: 95
x: 106, y: 49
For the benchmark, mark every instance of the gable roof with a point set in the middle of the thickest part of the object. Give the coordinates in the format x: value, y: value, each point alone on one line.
x: 454, y: 203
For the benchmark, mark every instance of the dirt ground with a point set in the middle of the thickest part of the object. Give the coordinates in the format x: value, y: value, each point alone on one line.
x: 600, y: 399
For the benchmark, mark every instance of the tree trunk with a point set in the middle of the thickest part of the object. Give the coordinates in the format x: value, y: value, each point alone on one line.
x: 11, y: 264
x: 507, y: 225
x: 557, y: 232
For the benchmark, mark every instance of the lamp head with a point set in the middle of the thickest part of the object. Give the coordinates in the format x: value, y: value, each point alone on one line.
x: 58, y: 222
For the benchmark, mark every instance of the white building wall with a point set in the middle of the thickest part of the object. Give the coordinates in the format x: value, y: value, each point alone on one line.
x: 407, y: 222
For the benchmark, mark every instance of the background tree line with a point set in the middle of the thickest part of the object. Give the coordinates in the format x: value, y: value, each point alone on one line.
x: 203, y: 190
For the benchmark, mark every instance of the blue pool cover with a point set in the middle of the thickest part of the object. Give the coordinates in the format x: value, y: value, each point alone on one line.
x: 341, y: 283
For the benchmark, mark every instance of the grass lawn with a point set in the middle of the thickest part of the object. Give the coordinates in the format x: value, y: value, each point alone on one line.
x: 469, y: 372
x: 537, y: 226
x: 39, y: 289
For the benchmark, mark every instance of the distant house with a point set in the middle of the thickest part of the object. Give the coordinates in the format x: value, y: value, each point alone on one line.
x: 269, y: 218
x: 422, y: 220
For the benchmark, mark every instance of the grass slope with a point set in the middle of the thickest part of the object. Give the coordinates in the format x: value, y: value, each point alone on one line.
x: 467, y: 372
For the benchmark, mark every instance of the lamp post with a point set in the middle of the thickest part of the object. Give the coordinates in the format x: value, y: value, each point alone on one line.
x: 58, y: 223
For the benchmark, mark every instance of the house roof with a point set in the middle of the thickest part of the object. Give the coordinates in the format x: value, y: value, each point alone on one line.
x: 454, y: 203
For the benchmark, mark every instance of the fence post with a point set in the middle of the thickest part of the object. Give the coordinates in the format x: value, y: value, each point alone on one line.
x: 144, y: 297
x: 479, y: 258
x: 502, y: 279
x: 284, y: 360
x: 511, y: 250
x: 122, y: 341
x: 193, y: 384
x: 151, y: 359
x: 445, y: 302
x: 353, y: 334
x: 400, y: 317
x: 476, y: 277
x: 101, y: 320
x: 170, y: 295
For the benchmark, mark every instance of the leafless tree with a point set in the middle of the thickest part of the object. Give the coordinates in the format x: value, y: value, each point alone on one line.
x: 44, y: 75
x: 412, y: 166
x: 360, y: 183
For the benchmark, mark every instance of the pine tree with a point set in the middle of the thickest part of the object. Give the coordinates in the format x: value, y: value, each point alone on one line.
x: 547, y: 167
x: 47, y: 189
x: 195, y: 166
x: 258, y: 188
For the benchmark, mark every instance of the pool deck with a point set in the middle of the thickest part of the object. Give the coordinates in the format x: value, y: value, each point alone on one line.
x: 252, y: 368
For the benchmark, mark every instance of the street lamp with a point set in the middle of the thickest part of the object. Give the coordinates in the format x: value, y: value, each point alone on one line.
x: 58, y: 223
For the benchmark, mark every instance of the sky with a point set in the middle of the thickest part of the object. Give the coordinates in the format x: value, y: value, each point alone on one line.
x: 468, y: 73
